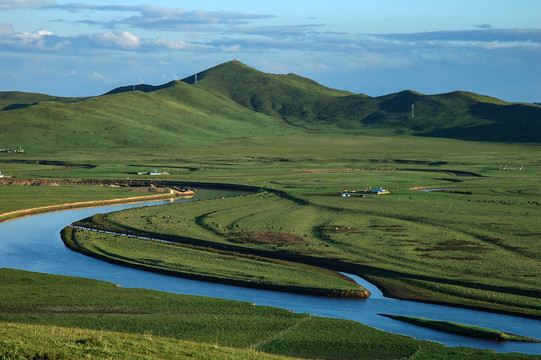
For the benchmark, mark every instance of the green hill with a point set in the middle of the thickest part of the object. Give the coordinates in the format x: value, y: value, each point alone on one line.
x: 286, y: 96
x: 459, y: 115
x: 233, y: 100
x: 175, y: 116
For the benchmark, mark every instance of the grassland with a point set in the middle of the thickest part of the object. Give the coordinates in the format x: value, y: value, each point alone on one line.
x: 27, y: 200
x: 423, y: 256
x: 89, y: 318
x: 209, y: 264
x: 475, y: 245
x: 24, y: 341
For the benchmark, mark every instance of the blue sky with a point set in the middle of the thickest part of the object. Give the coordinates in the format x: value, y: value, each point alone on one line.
x: 86, y: 48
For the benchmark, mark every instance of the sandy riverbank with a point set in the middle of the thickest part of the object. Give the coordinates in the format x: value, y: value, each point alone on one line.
x: 51, y: 208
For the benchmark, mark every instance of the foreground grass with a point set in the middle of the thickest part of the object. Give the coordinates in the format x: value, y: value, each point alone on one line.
x: 24, y: 341
x: 462, y: 329
x: 204, y: 263
x: 157, y: 321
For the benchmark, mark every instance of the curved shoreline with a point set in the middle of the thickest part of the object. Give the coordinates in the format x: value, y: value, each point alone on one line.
x: 339, y: 266
x: 329, y: 264
x: 7, y: 216
x: 69, y: 240
x: 12, y: 215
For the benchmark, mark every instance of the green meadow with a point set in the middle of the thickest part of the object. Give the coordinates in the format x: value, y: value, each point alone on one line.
x: 204, y: 264
x: 474, y: 243
x: 44, y: 316
x: 467, y: 245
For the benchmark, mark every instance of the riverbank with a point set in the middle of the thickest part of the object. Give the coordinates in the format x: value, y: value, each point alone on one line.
x: 462, y: 329
x: 210, y: 264
x: 323, y: 241
x: 83, y: 204
x: 162, y: 190
x: 372, y: 239
x: 53, y: 257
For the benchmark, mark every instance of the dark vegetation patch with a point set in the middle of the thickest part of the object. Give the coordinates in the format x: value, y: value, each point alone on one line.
x: 451, y: 180
x: 457, y: 192
x: 457, y: 245
x: 390, y: 228
x: 266, y: 237
x: 532, y: 235
x: 48, y: 162
x: 492, y: 239
x: 452, y: 257
x: 311, y: 251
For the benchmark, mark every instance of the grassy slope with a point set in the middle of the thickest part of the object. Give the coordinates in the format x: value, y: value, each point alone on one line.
x: 180, y: 115
x: 305, y: 103
x: 286, y: 96
x: 24, y: 341
x: 233, y: 100
x: 159, y: 319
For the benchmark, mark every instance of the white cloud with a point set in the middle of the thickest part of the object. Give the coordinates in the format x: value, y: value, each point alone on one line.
x: 164, y: 44
x: 124, y: 39
x: 44, y: 33
x: 231, y: 48
x: 97, y: 75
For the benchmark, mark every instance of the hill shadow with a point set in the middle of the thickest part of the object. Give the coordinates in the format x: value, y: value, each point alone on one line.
x: 502, y: 123
x: 17, y: 106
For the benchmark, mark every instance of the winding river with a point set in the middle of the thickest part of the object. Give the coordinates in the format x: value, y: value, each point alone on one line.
x: 33, y: 243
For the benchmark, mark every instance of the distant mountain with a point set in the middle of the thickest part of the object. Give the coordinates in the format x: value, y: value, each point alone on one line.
x: 233, y: 100
x: 305, y: 103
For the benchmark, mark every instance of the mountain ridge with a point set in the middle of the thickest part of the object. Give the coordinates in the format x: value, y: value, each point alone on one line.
x: 234, y: 100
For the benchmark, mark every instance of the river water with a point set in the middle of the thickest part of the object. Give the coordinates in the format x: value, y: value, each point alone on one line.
x: 33, y: 243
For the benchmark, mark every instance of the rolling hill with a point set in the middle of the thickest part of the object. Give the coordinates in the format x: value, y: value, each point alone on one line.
x: 233, y: 100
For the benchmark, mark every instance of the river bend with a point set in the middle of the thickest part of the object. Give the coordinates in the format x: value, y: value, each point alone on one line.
x: 33, y: 244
